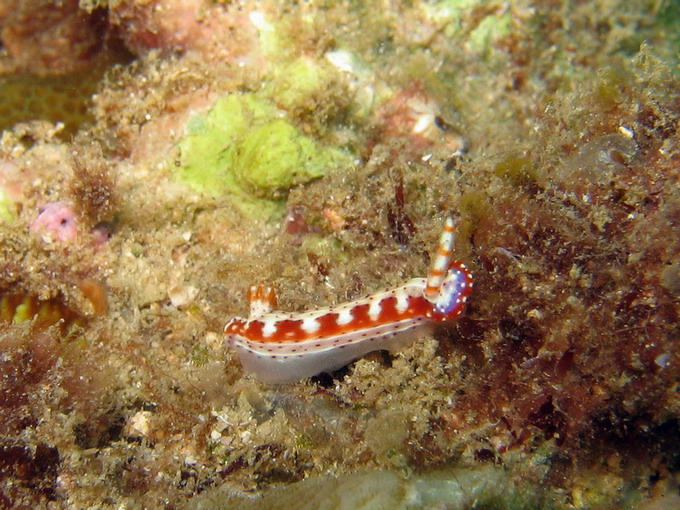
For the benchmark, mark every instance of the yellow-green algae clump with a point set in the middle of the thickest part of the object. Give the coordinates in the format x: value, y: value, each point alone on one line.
x: 246, y: 147
x: 7, y: 208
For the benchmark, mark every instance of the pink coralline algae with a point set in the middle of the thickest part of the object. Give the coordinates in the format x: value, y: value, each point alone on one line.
x: 56, y: 221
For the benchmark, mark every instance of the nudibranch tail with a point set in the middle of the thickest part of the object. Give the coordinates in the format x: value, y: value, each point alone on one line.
x: 284, y: 347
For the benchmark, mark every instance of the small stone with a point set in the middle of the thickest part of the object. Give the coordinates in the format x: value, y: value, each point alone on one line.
x: 181, y: 295
x: 139, y: 424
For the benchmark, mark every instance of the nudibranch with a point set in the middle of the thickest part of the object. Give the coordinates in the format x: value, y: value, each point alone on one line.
x: 285, y: 347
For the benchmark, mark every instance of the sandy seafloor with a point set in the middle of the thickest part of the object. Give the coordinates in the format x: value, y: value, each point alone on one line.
x: 159, y: 157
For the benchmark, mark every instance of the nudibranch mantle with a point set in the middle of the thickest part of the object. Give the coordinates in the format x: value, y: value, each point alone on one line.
x: 285, y: 347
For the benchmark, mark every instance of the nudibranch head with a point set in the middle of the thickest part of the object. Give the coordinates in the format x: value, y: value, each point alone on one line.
x: 449, y: 282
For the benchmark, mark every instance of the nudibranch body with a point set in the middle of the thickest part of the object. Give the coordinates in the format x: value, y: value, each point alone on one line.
x: 285, y: 347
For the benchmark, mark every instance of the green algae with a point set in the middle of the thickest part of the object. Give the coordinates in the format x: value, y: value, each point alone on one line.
x: 246, y: 147
x: 518, y: 170
x: 18, y: 308
x: 271, y: 41
x: 324, y: 247
x: 299, y: 80
x: 7, y: 208
x: 274, y: 157
x: 22, y: 313
x: 489, y: 30
x: 452, y: 13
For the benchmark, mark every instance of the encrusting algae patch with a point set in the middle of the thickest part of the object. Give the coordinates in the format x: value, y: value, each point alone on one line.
x: 246, y: 148
x: 318, y: 148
